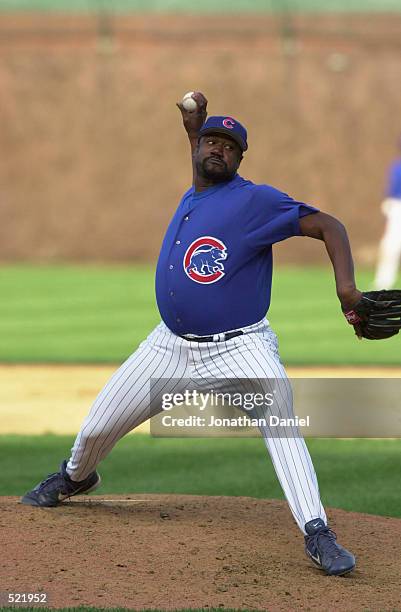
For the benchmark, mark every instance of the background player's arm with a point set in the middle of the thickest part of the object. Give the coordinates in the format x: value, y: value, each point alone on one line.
x: 333, y: 233
x: 194, y: 121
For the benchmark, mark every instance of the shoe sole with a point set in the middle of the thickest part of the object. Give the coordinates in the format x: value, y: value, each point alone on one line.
x: 347, y: 571
x: 28, y: 501
x: 79, y: 492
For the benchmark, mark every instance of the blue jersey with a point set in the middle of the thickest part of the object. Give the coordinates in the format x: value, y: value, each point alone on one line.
x: 394, y: 180
x: 214, y: 271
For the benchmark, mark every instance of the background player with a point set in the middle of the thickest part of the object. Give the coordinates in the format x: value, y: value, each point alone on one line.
x: 213, y: 322
x: 390, y: 246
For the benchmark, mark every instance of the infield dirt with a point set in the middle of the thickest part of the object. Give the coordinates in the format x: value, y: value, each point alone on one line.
x: 169, y: 552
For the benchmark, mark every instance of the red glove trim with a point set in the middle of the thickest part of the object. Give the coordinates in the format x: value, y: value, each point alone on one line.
x: 352, y: 317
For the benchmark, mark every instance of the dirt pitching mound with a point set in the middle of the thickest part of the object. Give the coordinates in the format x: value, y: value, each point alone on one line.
x: 174, y: 551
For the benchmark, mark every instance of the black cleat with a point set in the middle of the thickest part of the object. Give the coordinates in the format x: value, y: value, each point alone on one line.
x: 321, y: 546
x: 59, y: 486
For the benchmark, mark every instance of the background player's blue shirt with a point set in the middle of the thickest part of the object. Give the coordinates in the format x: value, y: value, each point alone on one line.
x: 394, y: 180
x: 214, y: 271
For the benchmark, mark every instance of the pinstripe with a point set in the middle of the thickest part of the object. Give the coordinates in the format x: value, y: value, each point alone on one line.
x: 312, y: 473
x: 306, y: 461
x: 214, y: 368
x: 302, y: 461
x: 134, y: 396
x: 254, y: 355
x: 288, y: 483
x: 138, y: 417
x: 234, y: 373
x: 116, y: 378
x: 125, y: 402
x: 284, y: 474
x: 94, y: 418
x: 282, y: 376
x: 110, y: 408
x: 86, y: 458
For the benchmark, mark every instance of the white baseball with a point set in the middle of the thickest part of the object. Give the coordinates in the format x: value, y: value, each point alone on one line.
x: 189, y: 103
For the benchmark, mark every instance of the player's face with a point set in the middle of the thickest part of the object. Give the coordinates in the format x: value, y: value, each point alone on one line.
x: 217, y: 157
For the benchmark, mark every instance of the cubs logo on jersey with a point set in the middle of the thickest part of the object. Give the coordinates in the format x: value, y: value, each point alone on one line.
x: 203, y: 260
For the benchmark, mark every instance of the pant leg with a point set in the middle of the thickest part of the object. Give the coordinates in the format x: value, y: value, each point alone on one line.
x: 390, y: 247
x: 124, y: 403
x: 255, y: 356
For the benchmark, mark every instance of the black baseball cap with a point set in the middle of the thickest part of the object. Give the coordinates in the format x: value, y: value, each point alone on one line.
x: 226, y: 125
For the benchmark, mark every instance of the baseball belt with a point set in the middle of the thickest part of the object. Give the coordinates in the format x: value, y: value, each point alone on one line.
x: 215, y: 337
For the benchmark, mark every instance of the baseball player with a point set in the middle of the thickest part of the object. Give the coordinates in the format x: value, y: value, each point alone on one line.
x: 390, y: 246
x: 213, y: 283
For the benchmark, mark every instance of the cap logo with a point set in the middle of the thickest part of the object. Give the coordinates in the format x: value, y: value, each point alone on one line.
x: 229, y: 123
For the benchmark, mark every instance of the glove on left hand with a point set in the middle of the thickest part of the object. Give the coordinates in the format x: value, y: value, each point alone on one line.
x: 377, y: 315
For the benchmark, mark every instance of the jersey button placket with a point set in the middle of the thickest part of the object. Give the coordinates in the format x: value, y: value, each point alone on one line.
x: 171, y: 267
x: 171, y: 291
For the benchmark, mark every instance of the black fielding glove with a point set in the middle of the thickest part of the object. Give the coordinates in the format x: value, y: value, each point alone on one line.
x: 377, y: 315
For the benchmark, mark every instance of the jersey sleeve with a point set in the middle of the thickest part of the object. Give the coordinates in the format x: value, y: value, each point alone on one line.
x: 273, y: 216
x: 394, y: 180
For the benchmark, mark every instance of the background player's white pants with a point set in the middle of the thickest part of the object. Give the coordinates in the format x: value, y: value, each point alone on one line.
x: 124, y: 403
x: 390, y: 246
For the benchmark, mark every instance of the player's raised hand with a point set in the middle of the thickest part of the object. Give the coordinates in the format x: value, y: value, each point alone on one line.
x: 193, y: 117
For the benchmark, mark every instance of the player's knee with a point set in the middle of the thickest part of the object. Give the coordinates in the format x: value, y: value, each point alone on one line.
x: 98, y: 432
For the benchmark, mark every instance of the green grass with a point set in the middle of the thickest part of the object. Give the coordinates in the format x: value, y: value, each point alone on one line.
x: 93, y: 314
x: 202, y: 7
x: 75, y: 314
x: 359, y: 475
x: 306, y: 316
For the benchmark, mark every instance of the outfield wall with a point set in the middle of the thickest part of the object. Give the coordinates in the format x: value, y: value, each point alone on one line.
x: 93, y: 155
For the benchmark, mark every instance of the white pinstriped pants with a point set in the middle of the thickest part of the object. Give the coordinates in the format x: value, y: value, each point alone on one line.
x: 123, y: 404
x: 390, y: 246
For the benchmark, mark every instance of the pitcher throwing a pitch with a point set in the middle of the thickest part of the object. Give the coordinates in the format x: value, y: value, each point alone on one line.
x: 213, y: 285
